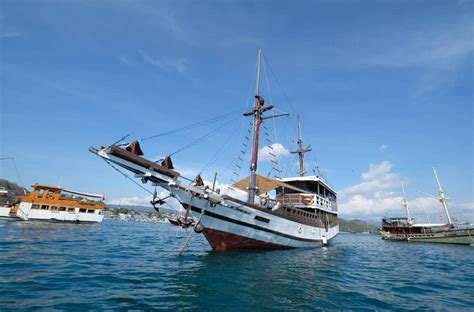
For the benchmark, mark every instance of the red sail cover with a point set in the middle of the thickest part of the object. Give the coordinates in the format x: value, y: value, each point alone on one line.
x: 134, y: 148
x: 198, y: 180
x: 167, y: 163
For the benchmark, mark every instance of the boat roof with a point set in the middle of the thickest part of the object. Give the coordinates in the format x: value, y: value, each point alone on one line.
x: 38, y: 186
x: 429, y: 224
x: 312, y: 178
x: 395, y: 218
x: 265, y: 184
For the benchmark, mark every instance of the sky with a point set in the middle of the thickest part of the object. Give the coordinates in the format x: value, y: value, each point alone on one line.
x: 384, y: 90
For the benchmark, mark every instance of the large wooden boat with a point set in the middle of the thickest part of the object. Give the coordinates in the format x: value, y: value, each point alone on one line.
x: 57, y: 204
x: 406, y: 229
x: 257, y: 212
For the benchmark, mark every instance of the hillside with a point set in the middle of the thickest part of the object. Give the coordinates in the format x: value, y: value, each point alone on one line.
x: 14, y: 191
x: 356, y: 225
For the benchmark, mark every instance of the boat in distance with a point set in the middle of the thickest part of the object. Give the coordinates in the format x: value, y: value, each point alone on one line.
x: 257, y: 212
x: 405, y: 229
x: 54, y: 203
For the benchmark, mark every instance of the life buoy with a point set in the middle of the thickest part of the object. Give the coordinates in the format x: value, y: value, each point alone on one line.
x: 307, y: 199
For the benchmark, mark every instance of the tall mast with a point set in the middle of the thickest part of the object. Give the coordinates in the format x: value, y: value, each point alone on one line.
x: 301, y: 150
x: 257, y: 112
x: 442, y: 198
x: 405, y: 203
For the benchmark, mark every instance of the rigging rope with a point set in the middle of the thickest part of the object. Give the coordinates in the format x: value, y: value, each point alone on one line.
x: 16, y: 168
x: 139, y: 185
x: 192, y: 126
x: 217, y: 153
x: 243, y: 151
x: 279, y: 84
x: 203, y: 137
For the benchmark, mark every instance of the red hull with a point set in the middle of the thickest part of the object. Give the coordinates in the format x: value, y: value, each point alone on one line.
x: 226, y: 241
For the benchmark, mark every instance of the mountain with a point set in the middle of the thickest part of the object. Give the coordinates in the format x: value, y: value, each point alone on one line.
x: 14, y: 192
x: 356, y: 225
x: 148, y: 208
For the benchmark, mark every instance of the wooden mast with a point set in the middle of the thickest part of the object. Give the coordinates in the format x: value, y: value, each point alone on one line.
x: 301, y: 150
x: 405, y: 204
x: 442, y: 197
x: 257, y: 112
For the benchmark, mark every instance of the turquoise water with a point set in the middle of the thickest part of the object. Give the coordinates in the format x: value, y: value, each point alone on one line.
x: 129, y: 265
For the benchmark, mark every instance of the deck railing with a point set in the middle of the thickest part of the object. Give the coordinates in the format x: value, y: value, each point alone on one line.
x: 307, y: 200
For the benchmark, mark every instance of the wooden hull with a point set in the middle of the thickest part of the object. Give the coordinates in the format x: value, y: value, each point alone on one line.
x: 457, y: 236
x: 222, y: 241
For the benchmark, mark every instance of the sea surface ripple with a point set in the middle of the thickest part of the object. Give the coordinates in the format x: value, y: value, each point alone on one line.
x: 134, y: 266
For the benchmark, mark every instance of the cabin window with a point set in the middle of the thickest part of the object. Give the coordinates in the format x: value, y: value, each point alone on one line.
x: 44, y: 207
x: 35, y: 206
x: 50, y: 194
x: 62, y: 208
x: 71, y: 210
x: 54, y: 208
x: 82, y: 210
x: 90, y: 210
x: 40, y: 192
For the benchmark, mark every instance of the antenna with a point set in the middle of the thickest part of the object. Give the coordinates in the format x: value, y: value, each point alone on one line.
x: 442, y: 198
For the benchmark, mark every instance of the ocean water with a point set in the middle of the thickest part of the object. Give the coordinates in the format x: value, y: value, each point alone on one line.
x: 134, y: 266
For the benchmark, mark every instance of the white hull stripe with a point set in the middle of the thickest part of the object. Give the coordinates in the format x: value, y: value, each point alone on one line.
x: 217, y: 216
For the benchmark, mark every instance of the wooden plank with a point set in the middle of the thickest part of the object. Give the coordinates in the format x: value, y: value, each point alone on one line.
x: 126, y: 155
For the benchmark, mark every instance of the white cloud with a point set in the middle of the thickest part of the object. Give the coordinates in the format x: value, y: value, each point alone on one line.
x: 277, y: 149
x: 383, y: 147
x: 178, y: 64
x: 378, y: 178
x: 442, y: 48
x: 149, y: 59
x: 132, y: 201
x: 10, y: 34
x: 124, y: 60
x: 171, y: 203
x: 378, y: 195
